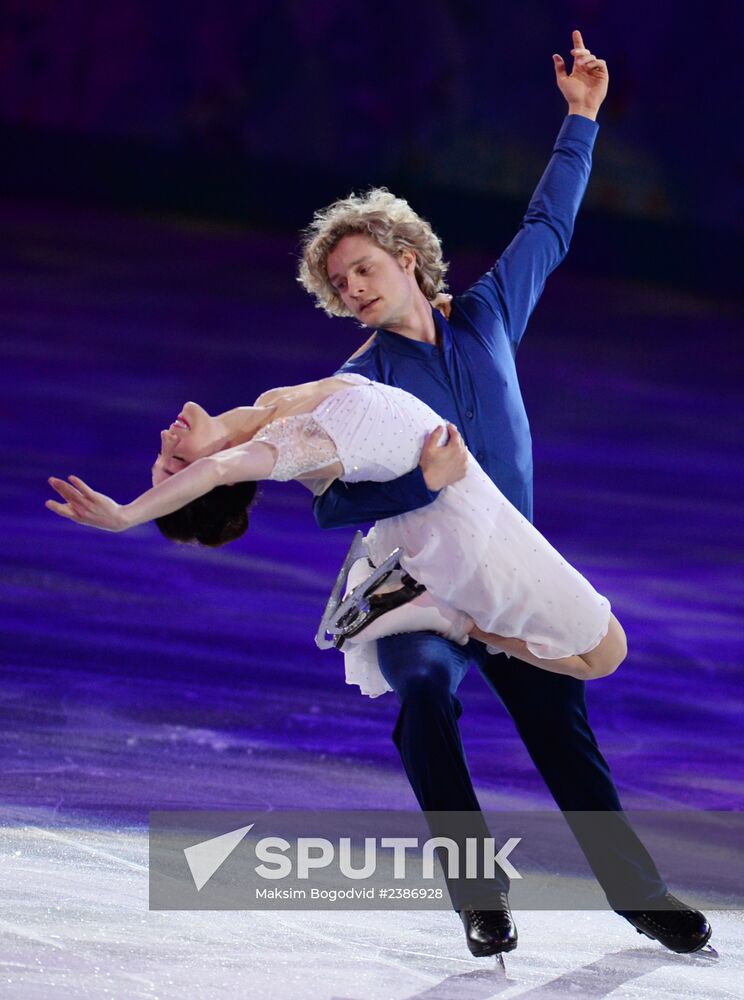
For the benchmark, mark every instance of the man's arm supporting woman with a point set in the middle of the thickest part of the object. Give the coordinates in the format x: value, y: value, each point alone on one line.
x: 346, y: 505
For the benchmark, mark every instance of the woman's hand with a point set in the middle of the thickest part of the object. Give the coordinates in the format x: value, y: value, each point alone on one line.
x: 586, y: 86
x: 443, y: 302
x: 85, y: 506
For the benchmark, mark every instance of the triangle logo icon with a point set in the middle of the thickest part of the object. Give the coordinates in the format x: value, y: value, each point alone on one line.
x: 206, y: 857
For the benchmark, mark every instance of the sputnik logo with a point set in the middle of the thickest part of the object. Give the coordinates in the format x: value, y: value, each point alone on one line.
x: 206, y: 857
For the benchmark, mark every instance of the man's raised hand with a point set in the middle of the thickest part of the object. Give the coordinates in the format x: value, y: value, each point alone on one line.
x: 586, y: 86
x: 443, y: 465
x: 84, y: 506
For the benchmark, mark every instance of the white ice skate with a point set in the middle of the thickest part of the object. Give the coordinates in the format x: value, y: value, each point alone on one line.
x: 383, y: 600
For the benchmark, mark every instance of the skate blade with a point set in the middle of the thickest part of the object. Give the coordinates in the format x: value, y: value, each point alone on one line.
x: 707, y: 951
x: 357, y: 550
x: 346, y: 616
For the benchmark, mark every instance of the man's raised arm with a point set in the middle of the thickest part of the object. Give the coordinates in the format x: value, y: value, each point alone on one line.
x: 504, y: 298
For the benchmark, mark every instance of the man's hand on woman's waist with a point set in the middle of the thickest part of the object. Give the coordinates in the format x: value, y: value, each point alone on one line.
x: 443, y: 465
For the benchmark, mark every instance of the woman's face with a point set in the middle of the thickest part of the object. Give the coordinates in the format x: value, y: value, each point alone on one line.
x: 189, y: 437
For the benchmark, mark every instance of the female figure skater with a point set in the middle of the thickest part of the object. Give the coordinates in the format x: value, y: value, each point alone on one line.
x: 474, y: 552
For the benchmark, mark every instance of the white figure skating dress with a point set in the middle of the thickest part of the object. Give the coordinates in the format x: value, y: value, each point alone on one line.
x: 471, y: 547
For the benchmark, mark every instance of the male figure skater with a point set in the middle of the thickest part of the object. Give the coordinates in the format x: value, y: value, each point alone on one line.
x: 373, y: 258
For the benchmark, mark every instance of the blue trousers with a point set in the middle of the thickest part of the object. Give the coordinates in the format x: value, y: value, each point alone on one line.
x: 425, y: 670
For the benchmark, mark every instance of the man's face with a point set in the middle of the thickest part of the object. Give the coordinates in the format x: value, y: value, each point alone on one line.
x: 373, y: 285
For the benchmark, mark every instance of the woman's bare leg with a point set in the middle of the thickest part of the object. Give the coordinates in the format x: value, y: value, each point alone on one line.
x: 604, y: 659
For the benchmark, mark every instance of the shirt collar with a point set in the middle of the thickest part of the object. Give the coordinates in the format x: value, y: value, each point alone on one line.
x: 397, y: 344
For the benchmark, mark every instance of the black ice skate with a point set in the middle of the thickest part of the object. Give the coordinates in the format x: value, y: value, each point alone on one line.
x: 490, y: 932
x: 678, y: 927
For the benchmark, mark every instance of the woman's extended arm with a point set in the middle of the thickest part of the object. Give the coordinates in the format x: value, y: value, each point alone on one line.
x: 83, y: 505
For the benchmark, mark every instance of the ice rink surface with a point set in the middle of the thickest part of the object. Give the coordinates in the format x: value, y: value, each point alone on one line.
x: 75, y: 924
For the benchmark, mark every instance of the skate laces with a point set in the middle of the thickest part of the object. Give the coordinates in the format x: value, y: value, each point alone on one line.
x: 482, y: 919
x: 676, y: 920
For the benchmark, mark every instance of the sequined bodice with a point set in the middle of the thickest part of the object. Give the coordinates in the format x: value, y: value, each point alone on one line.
x: 375, y: 431
x: 302, y: 446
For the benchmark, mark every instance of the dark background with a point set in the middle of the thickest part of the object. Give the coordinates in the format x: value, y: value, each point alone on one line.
x: 262, y: 111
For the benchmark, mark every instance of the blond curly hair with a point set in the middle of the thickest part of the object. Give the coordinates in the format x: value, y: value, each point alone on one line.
x: 390, y: 222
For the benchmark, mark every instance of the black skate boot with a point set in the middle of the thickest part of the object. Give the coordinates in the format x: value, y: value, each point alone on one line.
x: 490, y: 932
x: 677, y: 926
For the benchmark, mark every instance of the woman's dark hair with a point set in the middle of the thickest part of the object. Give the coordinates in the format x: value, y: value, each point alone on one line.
x: 218, y: 517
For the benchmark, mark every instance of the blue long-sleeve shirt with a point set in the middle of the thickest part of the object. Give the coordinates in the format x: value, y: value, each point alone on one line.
x: 469, y: 378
